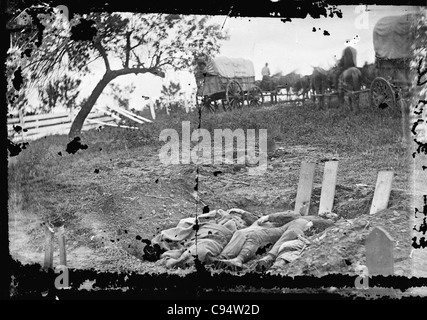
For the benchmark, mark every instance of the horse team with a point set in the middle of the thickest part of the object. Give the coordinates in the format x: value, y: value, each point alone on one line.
x: 342, y: 78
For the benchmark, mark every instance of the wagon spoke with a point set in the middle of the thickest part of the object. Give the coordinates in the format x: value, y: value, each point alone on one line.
x: 207, y: 105
x: 255, y: 97
x: 382, y: 95
x: 234, y: 95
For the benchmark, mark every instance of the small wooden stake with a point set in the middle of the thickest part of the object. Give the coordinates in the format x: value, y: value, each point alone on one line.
x: 305, y: 188
x: 153, y: 112
x: 328, y: 186
x: 405, y: 123
x: 62, y: 252
x: 379, y: 252
x: 21, y: 123
x: 48, y: 249
x: 382, y: 191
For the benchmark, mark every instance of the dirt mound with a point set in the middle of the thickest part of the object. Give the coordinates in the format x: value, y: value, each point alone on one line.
x: 341, y: 248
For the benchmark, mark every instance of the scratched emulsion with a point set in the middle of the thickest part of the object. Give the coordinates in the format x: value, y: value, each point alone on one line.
x: 420, y: 153
x: 419, y: 229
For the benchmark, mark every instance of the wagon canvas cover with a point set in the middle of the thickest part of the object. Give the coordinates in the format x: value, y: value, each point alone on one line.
x: 220, y: 70
x: 230, y: 67
x: 393, y: 37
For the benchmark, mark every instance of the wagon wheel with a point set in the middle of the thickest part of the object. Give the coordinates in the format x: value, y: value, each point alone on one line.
x: 207, y: 105
x: 381, y: 94
x: 255, y: 97
x: 234, y: 95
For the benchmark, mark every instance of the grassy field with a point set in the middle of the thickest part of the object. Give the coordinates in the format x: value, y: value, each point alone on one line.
x: 117, y: 189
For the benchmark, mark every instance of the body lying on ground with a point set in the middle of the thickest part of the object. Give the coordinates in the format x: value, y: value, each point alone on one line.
x: 287, y: 248
x: 278, y: 229
x: 214, y: 230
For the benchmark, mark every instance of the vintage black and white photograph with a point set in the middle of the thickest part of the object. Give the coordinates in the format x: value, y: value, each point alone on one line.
x: 242, y: 149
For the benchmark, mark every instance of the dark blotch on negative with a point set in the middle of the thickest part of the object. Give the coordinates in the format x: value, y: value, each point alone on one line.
x: 17, y: 80
x: 15, y: 149
x: 27, y: 52
x: 84, y: 31
x: 216, y: 173
x: 196, y: 226
x: 75, y: 145
x: 17, y: 129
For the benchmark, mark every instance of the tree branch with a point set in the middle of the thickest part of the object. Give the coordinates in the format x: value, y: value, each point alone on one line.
x: 141, y: 41
x: 103, y: 53
x: 127, y: 50
x: 139, y: 63
x: 158, y: 57
x: 168, y: 61
x: 155, y: 71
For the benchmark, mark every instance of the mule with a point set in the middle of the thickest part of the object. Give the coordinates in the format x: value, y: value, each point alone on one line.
x: 369, y: 73
x: 268, y: 84
x: 319, y: 84
x: 302, y: 85
x: 287, y: 82
x: 348, y: 60
x: 350, y: 80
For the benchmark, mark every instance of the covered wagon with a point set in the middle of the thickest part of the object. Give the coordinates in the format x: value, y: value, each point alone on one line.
x: 230, y: 81
x: 392, y: 39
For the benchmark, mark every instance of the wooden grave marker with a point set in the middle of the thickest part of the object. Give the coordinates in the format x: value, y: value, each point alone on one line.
x: 48, y: 249
x: 305, y: 188
x: 379, y: 252
x: 328, y: 186
x: 382, y: 191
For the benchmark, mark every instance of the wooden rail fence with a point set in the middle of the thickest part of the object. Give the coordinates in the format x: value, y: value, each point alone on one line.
x: 38, y: 126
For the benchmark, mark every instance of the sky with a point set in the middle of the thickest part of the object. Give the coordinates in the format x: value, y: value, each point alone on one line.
x: 290, y: 46
x: 294, y: 46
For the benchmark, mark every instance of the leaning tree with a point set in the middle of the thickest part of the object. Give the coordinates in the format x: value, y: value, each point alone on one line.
x: 127, y: 43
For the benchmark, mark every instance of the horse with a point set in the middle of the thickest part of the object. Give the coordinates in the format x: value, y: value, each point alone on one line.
x: 268, y: 84
x: 287, y: 82
x: 348, y: 58
x: 302, y: 84
x: 369, y: 73
x: 277, y: 81
x: 320, y: 83
x: 350, y: 80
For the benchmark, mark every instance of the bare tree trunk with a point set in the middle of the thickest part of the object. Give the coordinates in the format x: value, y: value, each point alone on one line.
x: 77, y: 124
x: 109, y: 75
